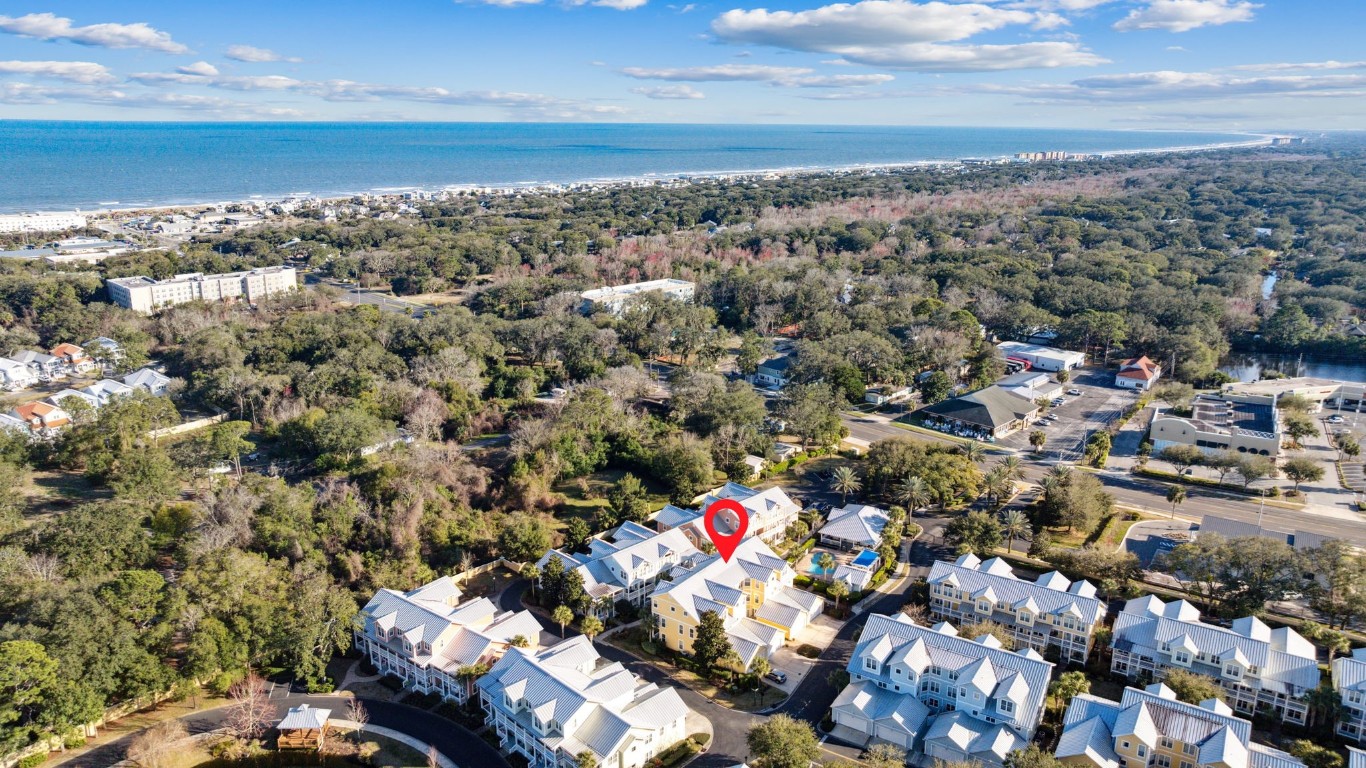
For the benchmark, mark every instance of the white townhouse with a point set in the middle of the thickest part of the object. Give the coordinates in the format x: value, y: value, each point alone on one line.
x: 552, y: 705
x: 16, y: 375
x: 426, y: 636
x: 854, y: 526
x: 44, y: 366
x: 927, y: 690
x: 148, y: 380
x: 1150, y: 727
x: 1349, y: 680
x: 1257, y: 666
x: 752, y: 593
x: 625, y: 563
x: 770, y: 512
x: 60, y: 399
x: 110, y: 350
x: 1051, y: 611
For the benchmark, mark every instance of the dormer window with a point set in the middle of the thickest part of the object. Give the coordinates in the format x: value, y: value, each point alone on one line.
x: 1182, y: 658
x: 870, y: 663
x: 1233, y: 670
x: 984, y: 607
x: 1024, y: 617
x: 1005, y: 706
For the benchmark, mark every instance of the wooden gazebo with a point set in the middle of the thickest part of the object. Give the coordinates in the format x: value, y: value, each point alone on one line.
x: 304, y: 727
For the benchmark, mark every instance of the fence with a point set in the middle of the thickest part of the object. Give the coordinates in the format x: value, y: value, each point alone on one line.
x: 492, y: 565
x: 188, y: 426
x: 89, y: 730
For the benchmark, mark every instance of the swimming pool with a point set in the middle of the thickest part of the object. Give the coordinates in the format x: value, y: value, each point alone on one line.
x: 865, y: 559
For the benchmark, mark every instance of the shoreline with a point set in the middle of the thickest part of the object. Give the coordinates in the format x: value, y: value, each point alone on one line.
x: 644, y: 179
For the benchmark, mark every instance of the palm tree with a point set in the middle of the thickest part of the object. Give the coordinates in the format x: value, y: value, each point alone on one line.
x: 532, y: 574
x: 998, y: 486
x: 913, y: 492
x: 974, y: 450
x: 826, y: 562
x: 1012, y: 467
x: 1059, y: 472
x: 845, y: 481
x: 1175, y: 495
x: 1037, y: 439
x: 1015, y: 525
x: 837, y: 590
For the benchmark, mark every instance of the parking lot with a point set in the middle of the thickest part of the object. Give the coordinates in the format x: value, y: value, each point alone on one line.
x: 1099, y: 403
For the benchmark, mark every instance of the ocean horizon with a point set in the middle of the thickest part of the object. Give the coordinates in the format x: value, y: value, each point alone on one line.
x: 61, y: 165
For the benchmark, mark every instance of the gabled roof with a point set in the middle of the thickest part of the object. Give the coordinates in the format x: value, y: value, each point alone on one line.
x: 147, y: 379
x: 715, y: 584
x: 976, y: 738
x: 889, y: 710
x: 1285, y: 658
x: 304, y: 717
x: 1052, y: 593
x: 1140, y: 368
x: 1349, y: 672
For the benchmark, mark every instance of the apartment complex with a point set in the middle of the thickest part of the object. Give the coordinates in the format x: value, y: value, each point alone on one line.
x: 1243, y: 423
x: 1349, y: 680
x: 928, y: 690
x: 1149, y: 727
x: 752, y: 593
x: 1051, y: 611
x: 552, y: 705
x: 426, y: 636
x: 40, y: 222
x: 770, y: 512
x: 143, y: 294
x: 625, y: 563
x: 615, y: 299
x: 1257, y: 666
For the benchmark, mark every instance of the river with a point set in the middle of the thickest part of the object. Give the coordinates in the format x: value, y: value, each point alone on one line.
x: 1249, y: 367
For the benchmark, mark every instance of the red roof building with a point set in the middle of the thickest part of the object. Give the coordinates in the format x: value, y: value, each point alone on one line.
x: 1139, y: 373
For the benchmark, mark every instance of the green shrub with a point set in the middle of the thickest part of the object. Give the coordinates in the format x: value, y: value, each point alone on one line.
x: 73, y: 742
x: 809, y: 651
x: 391, y: 682
x: 702, y: 739
x: 221, y: 682
x: 32, y: 761
x: 801, y: 581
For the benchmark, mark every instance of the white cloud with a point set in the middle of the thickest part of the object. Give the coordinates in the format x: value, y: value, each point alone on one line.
x: 839, y: 81
x: 862, y: 95
x: 24, y: 93
x: 865, y: 23
x: 74, y: 71
x: 1306, y: 66
x: 49, y: 26
x: 671, y: 92
x: 906, y: 35
x: 226, y: 82
x: 1170, y: 85
x: 251, y: 53
x: 1185, y: 15
x: 619, y: 5
x: 718, y: 73
x: 200, y: 68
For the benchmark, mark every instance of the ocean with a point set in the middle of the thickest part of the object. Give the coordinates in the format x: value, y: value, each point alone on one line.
x: 89, y: 165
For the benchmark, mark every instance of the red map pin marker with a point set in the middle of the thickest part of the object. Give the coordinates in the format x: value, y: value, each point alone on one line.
x: 726, y: 542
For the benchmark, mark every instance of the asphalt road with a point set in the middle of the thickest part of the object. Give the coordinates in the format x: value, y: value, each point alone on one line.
x: 1150, y: 495
x: 451, y: 739
x: 355, y: 296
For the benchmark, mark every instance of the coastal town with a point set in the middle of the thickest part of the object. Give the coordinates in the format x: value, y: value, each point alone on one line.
x: 346, y: 488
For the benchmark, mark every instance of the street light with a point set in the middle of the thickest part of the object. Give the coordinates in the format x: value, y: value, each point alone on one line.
x: 1261, y: 505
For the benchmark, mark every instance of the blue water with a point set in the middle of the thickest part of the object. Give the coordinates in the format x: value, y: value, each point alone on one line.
x: 865, y: 558
x: 62, y: 165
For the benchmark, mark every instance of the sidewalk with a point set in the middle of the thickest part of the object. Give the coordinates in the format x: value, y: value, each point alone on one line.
x: 136, y: 722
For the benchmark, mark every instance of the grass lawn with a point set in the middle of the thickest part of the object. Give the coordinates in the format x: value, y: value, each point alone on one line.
x: 747, y: 701
x: 583, y: 497
x: 1115, y: 530
x: 486, y: 584
x: 51, y: 492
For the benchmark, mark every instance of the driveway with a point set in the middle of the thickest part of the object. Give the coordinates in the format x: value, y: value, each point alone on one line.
x: 820, y: 633
x: 1151, y: 538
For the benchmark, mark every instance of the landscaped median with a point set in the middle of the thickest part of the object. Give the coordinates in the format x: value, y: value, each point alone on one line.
x: 1232, y: 491
x: 740, y: 696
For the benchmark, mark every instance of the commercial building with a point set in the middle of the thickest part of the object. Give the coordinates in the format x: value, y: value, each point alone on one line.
x: 1051, y: 611
x: 1243, y: 423
x: 1040, y: 357
x: 143, y: 294
x: 1150, y: 727
x: 91, y: 250
x: 1228, y: 528
x: 1331, y: 393
x: 854, y: 526
x: 426, y: 636
x: 1031, y: 385
x: 40, y: 222
x: 1349, y: 680
x: 625, y: 563
x: 988, y: 413
x: 1257, y: 666
x: 770, y: 512
x: 1139, y: 373
x: 552, y: 705
x: 614, y: 299
x: 752, y: 593
x: 928, y: 690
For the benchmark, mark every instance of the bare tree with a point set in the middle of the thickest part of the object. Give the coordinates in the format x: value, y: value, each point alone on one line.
x: 252, y: 711
x: 358, y: 714
x: 155, y: 747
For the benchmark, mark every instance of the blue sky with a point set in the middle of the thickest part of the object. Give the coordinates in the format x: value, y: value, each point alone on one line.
x: 1216, y: 64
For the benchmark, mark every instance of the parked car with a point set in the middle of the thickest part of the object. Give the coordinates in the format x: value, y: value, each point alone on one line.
x: 777, y: 676
x: 1074, y: 392
x: 1335, y: 419
x: 1057, y: 401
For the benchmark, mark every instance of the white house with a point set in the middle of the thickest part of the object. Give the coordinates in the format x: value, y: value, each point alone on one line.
x: 44, y: 366
x: 1258, y: 667
x: 928, y: 690
x: 15, y: 375
x: 770, y: 511
x: 1139, y: 373
x: 60, y: 398
x: 105, y: 390
x: 552, y: 705
x: 625, y: 563
x: 1349, y: 680
x: 148, y: 380
x: 426, y: 636
x: 773, y: 373
x: 854, y: 526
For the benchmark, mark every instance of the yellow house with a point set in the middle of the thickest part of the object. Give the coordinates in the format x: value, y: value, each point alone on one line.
x: 752, y: 593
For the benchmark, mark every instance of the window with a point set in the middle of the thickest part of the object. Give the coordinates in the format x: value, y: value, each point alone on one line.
x: 1182, y: 658
x: 1167, y: 743
x: 870, y: 663
x: 1233, y: 670
x: 1024, y: 618
x: 1188, y: 749
x: 1142, y: 750
x: 1124, y: 745
x: 1005, y: 707
x: 1164, y: 762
